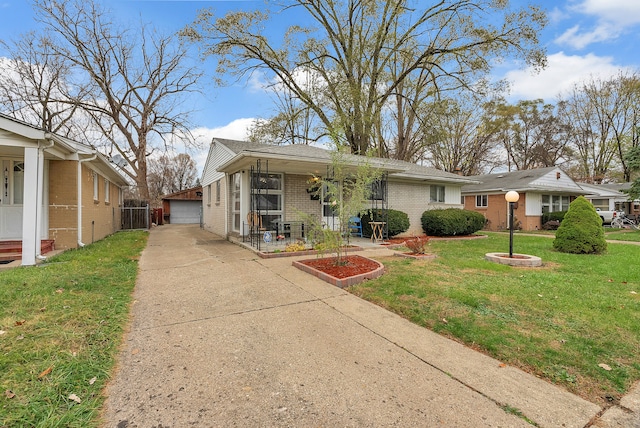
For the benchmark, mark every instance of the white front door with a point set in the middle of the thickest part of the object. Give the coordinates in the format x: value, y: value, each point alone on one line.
x: 11, y: 199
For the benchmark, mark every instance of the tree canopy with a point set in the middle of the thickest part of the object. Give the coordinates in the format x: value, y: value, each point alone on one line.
x: 352, y: 49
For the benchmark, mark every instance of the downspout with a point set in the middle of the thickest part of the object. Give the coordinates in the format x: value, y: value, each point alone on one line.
x: 40, y: 193
x: 80, y: 161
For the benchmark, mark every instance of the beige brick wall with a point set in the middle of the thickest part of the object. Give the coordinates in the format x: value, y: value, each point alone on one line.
x: 413, y: 199
x: 99, y: 218
x: 297, y: 200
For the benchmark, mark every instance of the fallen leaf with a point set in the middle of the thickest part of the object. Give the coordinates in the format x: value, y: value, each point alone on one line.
x: 20, y: 322
x: 2, y: 332
x: 9, y: 394
x: 135, y: 351
x: 633, y: 292
x: 502, y: 365
x: 444, y: 320
x: 611, y: 280
x: 75, y: 398
x: 539, y: 295
x: 604, y: 366
x: 93, y: 380
x: 45, y: 372
x: 59, y: 290
x: 20, y: 337
x: 43, y: 309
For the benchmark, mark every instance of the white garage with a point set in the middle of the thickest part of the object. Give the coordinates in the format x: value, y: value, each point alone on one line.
x: 184, y: 207
x: 185, y: 212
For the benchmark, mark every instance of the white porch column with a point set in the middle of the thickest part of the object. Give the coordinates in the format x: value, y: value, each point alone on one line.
x: 30, y: 207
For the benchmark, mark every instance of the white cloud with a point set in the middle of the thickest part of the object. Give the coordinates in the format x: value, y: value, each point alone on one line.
x: 578, y: 39
x: 235, y: 130
x: 562, y: 72
x: 618, y: 12
x: 613, y: 17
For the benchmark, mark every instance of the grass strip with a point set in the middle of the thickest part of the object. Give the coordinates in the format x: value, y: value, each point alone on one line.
x: 575, y: 321
x: 61, y: 325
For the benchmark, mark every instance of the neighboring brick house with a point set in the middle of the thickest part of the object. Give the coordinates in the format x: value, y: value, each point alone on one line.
x: 286, y: 172
x: 541, y: 190
x: 43, y: 177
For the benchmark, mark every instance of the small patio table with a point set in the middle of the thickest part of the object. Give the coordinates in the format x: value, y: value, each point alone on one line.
x: 376, y: 230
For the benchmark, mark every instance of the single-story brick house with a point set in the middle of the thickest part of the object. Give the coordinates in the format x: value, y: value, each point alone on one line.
x: 541, y: 190
x: 286, y: 172
x: 44, y: 176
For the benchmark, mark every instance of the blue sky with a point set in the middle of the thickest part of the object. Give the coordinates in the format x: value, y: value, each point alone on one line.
x: 583, y: 38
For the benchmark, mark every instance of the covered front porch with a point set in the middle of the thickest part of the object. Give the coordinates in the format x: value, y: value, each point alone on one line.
x: 275, y: 202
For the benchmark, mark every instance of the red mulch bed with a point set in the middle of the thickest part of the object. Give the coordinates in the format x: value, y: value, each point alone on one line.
x: 354, y: 265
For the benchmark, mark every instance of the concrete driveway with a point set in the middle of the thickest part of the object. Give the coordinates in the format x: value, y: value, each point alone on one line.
x: 222, y: 338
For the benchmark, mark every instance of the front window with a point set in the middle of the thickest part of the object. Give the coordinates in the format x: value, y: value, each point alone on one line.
x: 482, y: 201
x: 554, y: 203
x: 437, y: 193
x: 378, y: 190
x: 217, y: 192
x: 603, y: 204
x: 18, y: 182
x: 106, y: 191
x: 267, y: 197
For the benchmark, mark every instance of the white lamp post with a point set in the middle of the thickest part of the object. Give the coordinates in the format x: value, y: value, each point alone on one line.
x: 512, y: 197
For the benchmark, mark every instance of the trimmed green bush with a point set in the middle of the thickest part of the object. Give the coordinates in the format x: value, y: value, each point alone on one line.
x: 451, y: 222
x: 581, y: 230
x: 557, y: 216
x: 397, y: 221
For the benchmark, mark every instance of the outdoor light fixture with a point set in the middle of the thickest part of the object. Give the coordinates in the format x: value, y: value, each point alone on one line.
x: 512, y: 197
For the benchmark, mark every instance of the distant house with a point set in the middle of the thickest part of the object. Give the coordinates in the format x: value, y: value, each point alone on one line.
x: 241, y: 177
x: 183, y: 207
x: 55, y: 189
x: 541, y: 190
x: 609, y: 197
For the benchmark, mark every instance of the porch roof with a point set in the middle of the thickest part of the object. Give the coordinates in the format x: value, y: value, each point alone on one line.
x: 15, y: 136
x: 304, y: 159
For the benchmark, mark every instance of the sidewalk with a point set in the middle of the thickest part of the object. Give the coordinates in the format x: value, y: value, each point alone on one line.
x: 222, y: 338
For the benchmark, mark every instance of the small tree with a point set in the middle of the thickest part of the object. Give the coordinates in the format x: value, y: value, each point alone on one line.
x: 347, y: 190
x: 581, y: 230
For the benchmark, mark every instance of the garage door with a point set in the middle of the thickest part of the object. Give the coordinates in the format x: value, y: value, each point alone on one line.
x: 185, y: 212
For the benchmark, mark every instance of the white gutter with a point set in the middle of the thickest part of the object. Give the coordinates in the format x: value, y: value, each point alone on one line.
x: 80, y: 161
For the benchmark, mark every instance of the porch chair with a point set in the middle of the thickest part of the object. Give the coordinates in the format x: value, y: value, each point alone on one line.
x: 355, y: 226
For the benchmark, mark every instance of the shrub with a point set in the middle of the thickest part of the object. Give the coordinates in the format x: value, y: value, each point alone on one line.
x: 417, y: 245
x: 397, y: 221
x: 554, y: 216
x: 451, y: 222
x: 581, y: 230
x: 551, y: 225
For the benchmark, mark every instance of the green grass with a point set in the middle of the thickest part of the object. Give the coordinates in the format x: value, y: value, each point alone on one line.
x: 558, y: 321
x: 67, y: 315
x: 622, y: 234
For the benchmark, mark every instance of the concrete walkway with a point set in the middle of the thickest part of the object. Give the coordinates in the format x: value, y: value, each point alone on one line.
x: 221, y: 338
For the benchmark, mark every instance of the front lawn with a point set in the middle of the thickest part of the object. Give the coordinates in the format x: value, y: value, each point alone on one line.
x: 61, y: 324
x: 622, y: 234
x: 575, y: 321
